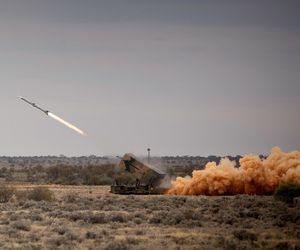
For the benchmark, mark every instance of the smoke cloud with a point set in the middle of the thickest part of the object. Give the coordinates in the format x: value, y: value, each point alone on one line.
x: 254, y: 176
x: 69, y: 125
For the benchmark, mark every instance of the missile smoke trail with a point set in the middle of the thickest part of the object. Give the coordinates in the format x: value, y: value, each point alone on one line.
x: 69, y: 125
x: 254, y: 176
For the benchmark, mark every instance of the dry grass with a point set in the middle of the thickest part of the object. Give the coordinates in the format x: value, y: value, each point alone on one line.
x: 91, y: 218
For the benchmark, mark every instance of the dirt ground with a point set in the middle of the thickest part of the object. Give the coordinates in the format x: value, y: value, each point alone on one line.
x: 89, y: 217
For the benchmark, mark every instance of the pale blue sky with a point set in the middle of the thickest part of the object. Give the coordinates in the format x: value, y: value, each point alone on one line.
x: 182, y: 77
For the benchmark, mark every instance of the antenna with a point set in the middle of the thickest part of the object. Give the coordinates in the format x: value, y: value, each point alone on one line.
x: 148, y: 149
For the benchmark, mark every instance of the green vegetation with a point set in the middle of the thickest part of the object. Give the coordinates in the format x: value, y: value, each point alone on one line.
x: 287, y: 192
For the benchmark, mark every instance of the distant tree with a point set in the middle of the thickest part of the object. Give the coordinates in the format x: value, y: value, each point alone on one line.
x: 287, y: 192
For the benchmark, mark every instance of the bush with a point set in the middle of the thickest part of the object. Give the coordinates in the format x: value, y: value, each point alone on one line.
x: 71, y: 198
x: 118, y: 217
x: 22, y: 225
x: 75, y: 216
x: 73, y: 236
x: 61, y: 230
x: 96, y: 218
x: 117, y: 244
x: 170, y: 218
x: 244, y: 235
x: 56, y: 241
x: 287, y: 192
x: 90, y: 235
x: 21, y: 195
x: 5, y: 193
x: 99, y: 180
x: 41, y: 194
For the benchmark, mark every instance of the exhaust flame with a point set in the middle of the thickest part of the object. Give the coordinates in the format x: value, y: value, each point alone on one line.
x: 255, y: 176
x: 69, y: 125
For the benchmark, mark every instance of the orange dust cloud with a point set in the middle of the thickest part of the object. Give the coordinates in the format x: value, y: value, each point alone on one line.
x: 254, y: 176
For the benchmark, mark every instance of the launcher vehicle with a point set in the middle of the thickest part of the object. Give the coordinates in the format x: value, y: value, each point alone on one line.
x: 147, y: 177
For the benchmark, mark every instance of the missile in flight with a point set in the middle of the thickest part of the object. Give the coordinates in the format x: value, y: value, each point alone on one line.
x: 34, y: 105
x: 57, y: 118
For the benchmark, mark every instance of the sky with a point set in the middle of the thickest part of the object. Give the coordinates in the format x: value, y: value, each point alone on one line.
x: 182, y: 77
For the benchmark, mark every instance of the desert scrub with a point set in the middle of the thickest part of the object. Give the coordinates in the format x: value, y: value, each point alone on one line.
x: 55, y: 241
x: 71, y: 198
x: 99, y: 180
x: 121, y: 217
x: 21, y: 195
x: 24, y: 225
x: 286, y: 192
x: 75, y: 216
x: 60, y: 229
x: 5, y: 193
x: 35, y: 216
x: 71, y: 235
x: 14, y: 216
x: 90, y: 235
x: 117, y: 244
x: 166, y: 218
x: 41, y: 194
x: 98, y: 218
x: 243, y: 234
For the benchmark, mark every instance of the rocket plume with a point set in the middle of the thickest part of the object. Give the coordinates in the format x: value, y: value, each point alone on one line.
x: 254, y: 176
x: 69, y: 125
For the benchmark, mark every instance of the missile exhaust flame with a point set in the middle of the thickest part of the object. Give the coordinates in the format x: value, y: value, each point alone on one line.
x: 69, y: 125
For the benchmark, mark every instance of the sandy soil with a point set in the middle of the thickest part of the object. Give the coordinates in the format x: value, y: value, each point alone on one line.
x: 62, y: 190
x: 85, y: 217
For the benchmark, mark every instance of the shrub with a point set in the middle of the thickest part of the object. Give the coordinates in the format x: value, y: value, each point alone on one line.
x: 137, y: 221
x: 166, y: 218
x: 61, y: 230
x: 244, y: 235
x: 5, y: 193
x: 21, y: 195
x: 140, y: 232
x: 99, y: 180
x: 70, y: 198
x: 33, y: 237
x: 157, y: 217
x: 41, y: 194
x: 287, y: 192
x: 283, y: 245
x: 36, y: 217
x: 56, y: 241
x: 75, y: 216
x: 90, y: 235
x: 13, y: 233
x: 98, y: 218
x: 14, y: 217
x: 118, y: 217
x: 22, y: 225
x: 72, y: 236
x: 117, y: 244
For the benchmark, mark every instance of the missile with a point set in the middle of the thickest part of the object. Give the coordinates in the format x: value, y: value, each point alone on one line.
x: 57, y: 118
x: 34, y: 105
